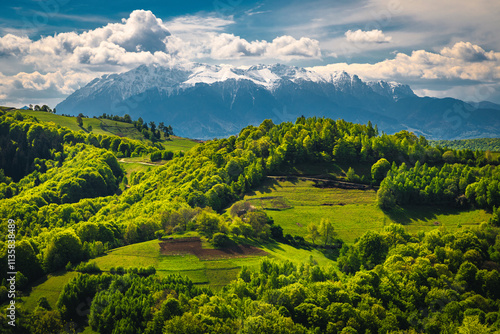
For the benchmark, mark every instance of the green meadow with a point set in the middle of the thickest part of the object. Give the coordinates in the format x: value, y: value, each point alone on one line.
x: 176, y: 144
x: 352, y: 212
x: 49, y: 287
x: 99, y: 126
x: 108, y: 127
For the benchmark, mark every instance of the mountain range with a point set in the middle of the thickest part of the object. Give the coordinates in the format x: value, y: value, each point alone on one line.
x: 206, y: 101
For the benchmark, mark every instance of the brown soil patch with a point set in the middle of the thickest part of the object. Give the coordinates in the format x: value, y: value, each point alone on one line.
x: 193, y: 246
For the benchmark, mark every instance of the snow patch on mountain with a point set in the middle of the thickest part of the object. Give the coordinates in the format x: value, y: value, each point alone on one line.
x: 171, y: 79
x: 391, y: 89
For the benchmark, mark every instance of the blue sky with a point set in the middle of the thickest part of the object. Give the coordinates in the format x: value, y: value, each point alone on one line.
x: 49, y: 48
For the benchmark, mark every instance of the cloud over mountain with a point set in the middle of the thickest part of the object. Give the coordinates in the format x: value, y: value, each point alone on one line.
x: 463, y: 64
x: 70, y: 59
x: 461, y: 61
x: 144, y: 38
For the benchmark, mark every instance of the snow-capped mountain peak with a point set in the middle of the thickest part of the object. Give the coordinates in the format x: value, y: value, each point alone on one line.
x: 391, y: 89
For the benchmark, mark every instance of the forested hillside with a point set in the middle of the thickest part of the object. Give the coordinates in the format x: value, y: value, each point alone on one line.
x: 481, y: 144
x: 72, y: 201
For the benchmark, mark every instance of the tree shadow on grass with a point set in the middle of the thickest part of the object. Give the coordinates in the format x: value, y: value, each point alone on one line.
x: 409, y: 214
x: 269, y: 244
x: 331, y: 254
x: 267, y: 187
x: 29, y: 288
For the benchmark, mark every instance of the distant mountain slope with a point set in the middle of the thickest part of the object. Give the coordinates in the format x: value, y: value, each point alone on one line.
x: 205, y: 101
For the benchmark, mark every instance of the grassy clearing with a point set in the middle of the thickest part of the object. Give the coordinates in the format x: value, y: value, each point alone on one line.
x: 50, y: 288
x: 186, y: 265
x: 134, y: 167
x: 296, y: 255
x: 178, y: 144
x: 417, y: 219
x: 176, y: 263
x: 213, y: 273
x: 219, y: 278
x: 352, y: 212
x: 138, y: 164
x: 137, y: 255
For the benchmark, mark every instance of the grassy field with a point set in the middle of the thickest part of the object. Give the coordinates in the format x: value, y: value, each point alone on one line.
x: 130, y: 167
x: 178, y: 144
x: 138, y: 164
x: 352, y: 212
x: 108, y: 127
x: 213, y: 273
x: 50, y: 288
x: 99, y: 126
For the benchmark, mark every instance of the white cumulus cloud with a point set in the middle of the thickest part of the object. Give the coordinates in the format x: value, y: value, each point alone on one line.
x: 468, y: 52
x: 64, y: 62
x: 457, y: 62
x: 460, y: 65
x: 372, y: 36
x: 227, y: 46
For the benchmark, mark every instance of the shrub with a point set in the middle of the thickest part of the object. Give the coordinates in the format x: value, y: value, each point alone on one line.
x: 220, y: 240
x: 88, y: 268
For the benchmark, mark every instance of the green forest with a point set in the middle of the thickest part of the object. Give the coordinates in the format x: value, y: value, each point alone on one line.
x: 78, y: 196
x: 482, y: 144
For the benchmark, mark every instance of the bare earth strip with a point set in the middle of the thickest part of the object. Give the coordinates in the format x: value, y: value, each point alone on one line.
x: 193, y: 246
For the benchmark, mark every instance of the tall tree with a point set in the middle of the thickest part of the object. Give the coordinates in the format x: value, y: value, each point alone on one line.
x: 152, y: 125
x: 326, y: 231
x: 312, y: 232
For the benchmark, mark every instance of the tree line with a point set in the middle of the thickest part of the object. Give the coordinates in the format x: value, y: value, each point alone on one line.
x: 151, y: 132
x: 479, y: 144
x: 458, y: 185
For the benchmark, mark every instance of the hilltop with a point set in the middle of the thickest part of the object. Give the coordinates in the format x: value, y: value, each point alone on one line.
x: 98, y: 125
